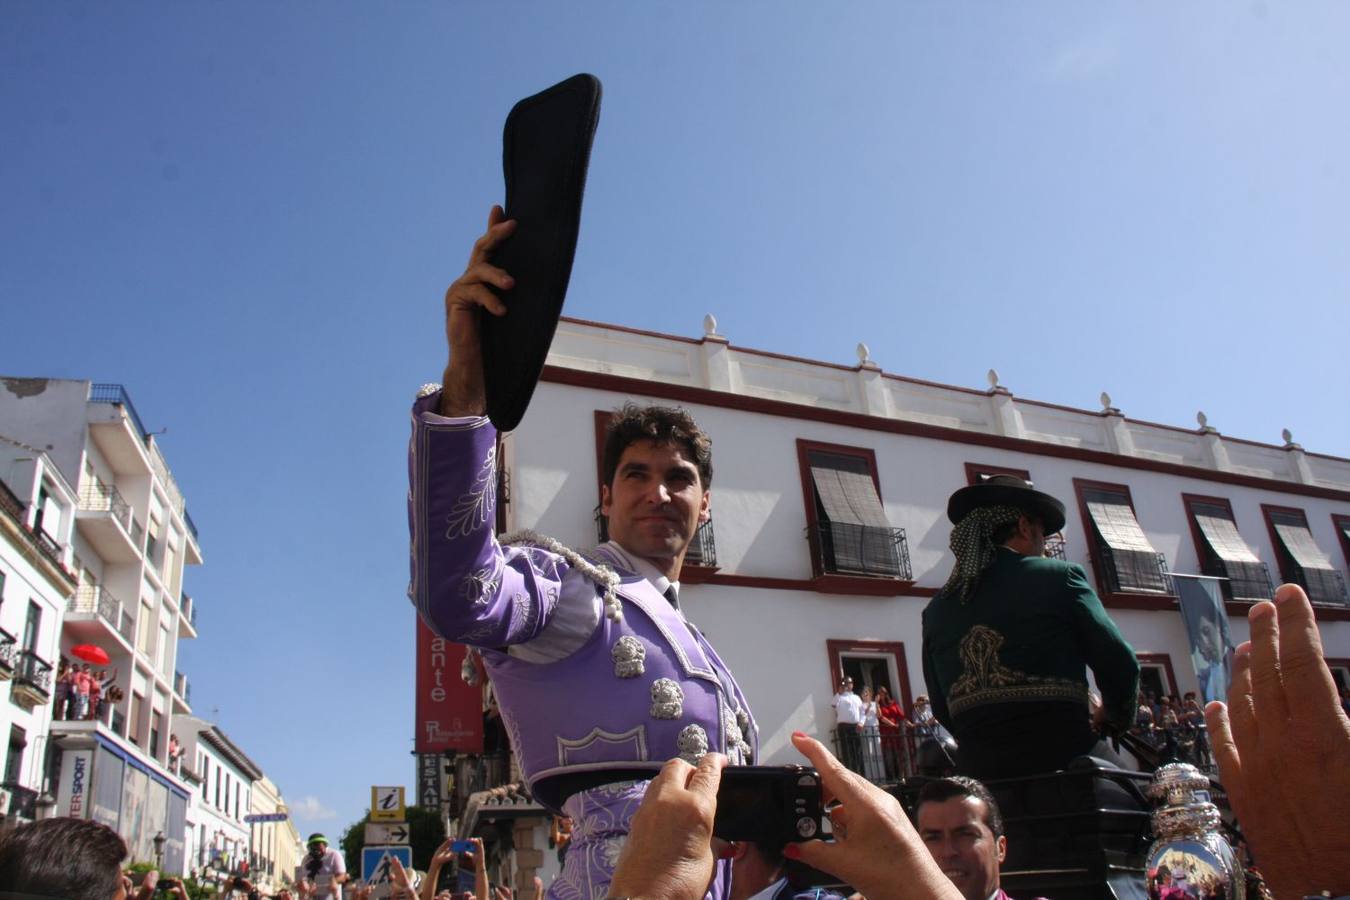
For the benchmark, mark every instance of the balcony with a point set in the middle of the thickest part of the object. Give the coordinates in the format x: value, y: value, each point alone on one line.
x: 32, y: 680
x: 7, y: 648
x: 842, y: 548
x: 187, y: 616
x: 22, y: 800
x: 181, y: 687
x: 106, y: 521
x: 95, y: 608
x: 117, y: 429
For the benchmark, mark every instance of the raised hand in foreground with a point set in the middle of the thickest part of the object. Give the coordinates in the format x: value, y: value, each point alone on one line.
x: 1283, y: 748
x: 668, y: 855
x: 875, y: 848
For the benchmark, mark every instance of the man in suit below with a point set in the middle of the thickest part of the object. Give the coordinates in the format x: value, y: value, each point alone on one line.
x: 599, y: 677
x: 759, y: 872
x: 1008, y: 639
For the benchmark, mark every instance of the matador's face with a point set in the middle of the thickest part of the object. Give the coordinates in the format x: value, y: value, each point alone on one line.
x: 656, y: 501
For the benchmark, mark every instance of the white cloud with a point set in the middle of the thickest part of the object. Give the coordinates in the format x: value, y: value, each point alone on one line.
x: 312, y: 809
x: 1085, y: 58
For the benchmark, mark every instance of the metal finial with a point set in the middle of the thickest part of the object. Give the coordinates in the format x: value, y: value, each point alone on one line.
x: 709, y: 325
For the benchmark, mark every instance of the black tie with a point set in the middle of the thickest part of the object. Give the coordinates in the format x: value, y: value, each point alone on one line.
x: 673, y: 597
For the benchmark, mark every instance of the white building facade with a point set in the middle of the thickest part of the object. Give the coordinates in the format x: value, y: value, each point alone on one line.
x: 217, y: 835
x: 37, y: 513
x: 804, y: 450
x: 130, y: 541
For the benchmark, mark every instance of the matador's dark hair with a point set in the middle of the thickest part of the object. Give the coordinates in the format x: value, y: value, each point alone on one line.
x: 662, y: 424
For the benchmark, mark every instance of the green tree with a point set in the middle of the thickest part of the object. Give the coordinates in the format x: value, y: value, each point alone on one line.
x: 426, y: 831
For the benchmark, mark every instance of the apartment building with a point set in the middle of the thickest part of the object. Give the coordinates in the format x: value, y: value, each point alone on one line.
x: 274, y: 847
x: 223, y: 776
x: 130, y: 541
x: 829, y: 530
x: 37, y: 513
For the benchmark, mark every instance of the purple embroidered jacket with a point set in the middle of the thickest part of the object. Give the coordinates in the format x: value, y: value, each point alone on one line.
x: 636, y: 693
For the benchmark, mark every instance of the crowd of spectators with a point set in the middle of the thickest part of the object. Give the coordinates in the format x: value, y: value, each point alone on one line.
x: 1175, y: 727
x: 874, y: 737
x: 84, y: 693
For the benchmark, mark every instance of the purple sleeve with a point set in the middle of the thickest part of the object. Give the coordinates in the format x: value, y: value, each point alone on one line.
x: 465, y: 585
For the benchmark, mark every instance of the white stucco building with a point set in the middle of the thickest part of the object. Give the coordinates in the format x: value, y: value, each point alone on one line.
x: 37, y: 514
x: 804, y: 451
x: 275, y: 846
x: 129, y: 543
x: 223, y: 775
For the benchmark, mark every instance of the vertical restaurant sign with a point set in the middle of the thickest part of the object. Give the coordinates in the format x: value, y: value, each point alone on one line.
x: 76, y: 779
x: 449, y: 712
x: 429, y: 780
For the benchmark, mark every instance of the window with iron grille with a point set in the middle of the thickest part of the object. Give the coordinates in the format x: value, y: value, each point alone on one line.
x: 1125, y: 560
x: 1223, y: 552
x: 846, y: 523
x: 1300, y: 558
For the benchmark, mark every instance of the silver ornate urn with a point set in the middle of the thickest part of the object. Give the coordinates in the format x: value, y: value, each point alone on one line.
x: 1189, y: 853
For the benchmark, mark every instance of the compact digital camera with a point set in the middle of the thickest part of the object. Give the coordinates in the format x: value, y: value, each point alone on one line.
x: 768, y: 804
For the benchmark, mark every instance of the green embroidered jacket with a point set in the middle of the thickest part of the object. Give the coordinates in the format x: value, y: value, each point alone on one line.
x: 1027, y: 635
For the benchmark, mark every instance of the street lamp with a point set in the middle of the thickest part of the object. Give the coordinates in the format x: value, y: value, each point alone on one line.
x: 158, y: 841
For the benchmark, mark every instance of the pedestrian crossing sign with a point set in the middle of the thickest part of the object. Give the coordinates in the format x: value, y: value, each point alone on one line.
x: 376, y: 865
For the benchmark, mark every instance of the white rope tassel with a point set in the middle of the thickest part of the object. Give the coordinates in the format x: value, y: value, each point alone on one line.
x: 602, y: 575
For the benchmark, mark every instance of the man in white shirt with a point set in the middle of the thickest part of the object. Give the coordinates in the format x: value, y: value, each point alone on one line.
x: 322, y: 873
x: 848, y: 716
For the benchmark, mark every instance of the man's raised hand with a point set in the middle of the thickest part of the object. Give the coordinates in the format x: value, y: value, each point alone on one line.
x: 463, y: 393
x: 1283, y: 748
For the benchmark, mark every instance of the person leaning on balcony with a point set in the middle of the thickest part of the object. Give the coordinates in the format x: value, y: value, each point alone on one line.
x: 1008, y: 638
x: 81, y: 684
x: 599, y: 676
x: 60, y: 709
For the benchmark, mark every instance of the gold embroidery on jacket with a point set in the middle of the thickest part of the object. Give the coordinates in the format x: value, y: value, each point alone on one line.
x: 984, y: 679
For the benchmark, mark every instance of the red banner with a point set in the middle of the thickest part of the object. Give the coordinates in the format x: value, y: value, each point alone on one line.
x: 449, y: 712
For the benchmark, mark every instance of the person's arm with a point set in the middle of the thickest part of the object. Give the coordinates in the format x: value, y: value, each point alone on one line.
x: 463, y: 392
x: 937, y: 697
x: 1283, y: 748
x: 1108, y: 654
x: 480, y: 876
x: 876, y: 849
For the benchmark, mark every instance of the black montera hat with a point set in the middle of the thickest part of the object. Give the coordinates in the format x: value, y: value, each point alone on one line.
x: 546, y: 147
x: 1007, y: 490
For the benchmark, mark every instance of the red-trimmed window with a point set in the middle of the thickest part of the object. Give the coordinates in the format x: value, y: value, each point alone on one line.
x: 977, y: 472
x: 702, y: 552
x: 1301, y: 560
x: 1342, y: 525
x: 846, y: 523
x: 1222, y: 551
x: 1124, y: 559
x: 1156, y: 677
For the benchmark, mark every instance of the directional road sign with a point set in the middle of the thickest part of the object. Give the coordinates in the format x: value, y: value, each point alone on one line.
x: 386, y: 804
x: 266, y: 817
x: 375, y: 865
x: 386, y: 833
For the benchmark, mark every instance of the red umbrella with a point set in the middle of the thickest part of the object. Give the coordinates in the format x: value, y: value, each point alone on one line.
x: 89, y: 653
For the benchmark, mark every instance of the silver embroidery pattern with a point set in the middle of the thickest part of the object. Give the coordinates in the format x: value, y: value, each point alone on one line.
x: 628, y: 655
x: 523, y: 614
x: 730, y: 728
x: 668, y: 700
x: 427, y: 390
x: 693, y: 744
x: 479, y: 587
x: 612, y: 849
x: 471, y: 511
x: 602, y: 575
x: 482, y: 631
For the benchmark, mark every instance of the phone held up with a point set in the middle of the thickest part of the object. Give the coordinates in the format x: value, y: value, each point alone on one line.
x: 768, y: 804
x: 461, y: 846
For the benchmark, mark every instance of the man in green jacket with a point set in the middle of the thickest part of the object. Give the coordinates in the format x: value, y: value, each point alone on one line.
x: 1007, y: 640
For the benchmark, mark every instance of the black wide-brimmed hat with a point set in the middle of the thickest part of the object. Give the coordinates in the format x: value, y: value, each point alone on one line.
x: 1007, y: 490
x: 546, y: 147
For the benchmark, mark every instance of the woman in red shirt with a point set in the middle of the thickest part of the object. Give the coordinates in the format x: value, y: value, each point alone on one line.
x: 889, y: 717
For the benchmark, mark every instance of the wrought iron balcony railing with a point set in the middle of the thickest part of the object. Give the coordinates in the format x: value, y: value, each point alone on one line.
x: 34, y: 672
x: 1134, y: 572
x: 116, y: 395
x: 1246, y: 581
x: 95, y: 598
x: 22, y: 800
x: 1054, y: 547
x: 96, y: 497
x: 8, y: 647
x: 846, y: 549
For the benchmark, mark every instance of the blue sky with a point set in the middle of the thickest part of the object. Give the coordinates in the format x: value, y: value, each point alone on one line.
x: 247, y: 214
